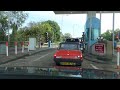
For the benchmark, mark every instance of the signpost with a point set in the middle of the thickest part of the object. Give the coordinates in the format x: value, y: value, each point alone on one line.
x: 15, y: 47
x: 99, y: 48
x: 118, y: 52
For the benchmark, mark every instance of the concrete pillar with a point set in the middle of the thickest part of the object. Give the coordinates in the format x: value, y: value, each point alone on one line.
x: 90, y: 14
x: 100, y: 22
x: 113, y: 30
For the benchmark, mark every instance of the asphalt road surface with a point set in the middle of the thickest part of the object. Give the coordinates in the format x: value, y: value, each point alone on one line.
x: 45, y: 59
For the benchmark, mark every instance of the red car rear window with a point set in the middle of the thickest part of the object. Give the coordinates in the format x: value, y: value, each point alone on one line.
x: 69, y: 46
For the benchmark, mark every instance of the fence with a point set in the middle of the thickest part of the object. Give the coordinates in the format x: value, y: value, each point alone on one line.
x: 19, y: 47
x: 13, y: 47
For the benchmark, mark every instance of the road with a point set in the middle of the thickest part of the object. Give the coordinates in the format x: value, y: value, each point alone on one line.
x: 45, y: 59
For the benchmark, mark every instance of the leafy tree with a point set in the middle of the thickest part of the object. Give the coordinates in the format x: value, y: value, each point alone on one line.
x: 55, y: 29
x: 109, y: 34
x: 66, y: 35
x: 16, y: 18
x: 39, y: 29
x: 12, y: 20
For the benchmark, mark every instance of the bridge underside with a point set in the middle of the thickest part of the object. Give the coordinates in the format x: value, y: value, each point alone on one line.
x: 89, y: 15
x: 82, y: 12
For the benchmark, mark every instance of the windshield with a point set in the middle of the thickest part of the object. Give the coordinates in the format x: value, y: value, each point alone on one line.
x: 79, y: 44
x: 69, y: 47
x: 72, y: 40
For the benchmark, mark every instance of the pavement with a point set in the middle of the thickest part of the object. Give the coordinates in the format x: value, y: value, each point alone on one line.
x: 104, y: 64
x: 12, y: 56
x: 41, y: 59
x: 93, y: 58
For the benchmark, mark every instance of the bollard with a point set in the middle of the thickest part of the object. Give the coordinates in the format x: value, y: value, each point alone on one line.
x: 15, y: 47
x: 28, y: 46
x: 6, y: 48
x: 22, y: 47
x: 118, y: 50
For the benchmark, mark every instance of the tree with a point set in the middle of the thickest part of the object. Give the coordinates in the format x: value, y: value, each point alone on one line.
x: 109, y: 34
x: 39, y: 29
x: 55, y: 30
x: 16, y: 19
x: 66, y: 35
x: 62, y: 37
x: 12, y: 20
x: 3, y: 26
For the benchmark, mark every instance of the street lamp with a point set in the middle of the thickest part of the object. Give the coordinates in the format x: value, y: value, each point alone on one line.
x: 8, y: 28
x: 74, y: 27
x: 62, y: 25
x: 0, y: 25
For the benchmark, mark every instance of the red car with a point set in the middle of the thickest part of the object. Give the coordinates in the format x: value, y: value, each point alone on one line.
x: 68, y: 53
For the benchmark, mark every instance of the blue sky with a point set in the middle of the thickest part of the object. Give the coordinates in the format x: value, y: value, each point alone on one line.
x: 72, y: 23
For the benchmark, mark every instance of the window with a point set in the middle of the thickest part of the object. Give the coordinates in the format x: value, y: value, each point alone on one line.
x: 69, y: 46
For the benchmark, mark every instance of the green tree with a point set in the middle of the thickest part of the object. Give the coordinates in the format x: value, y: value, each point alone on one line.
x: 3, y: 26
x: 16, y: 18
x: 55, y: 30
x: 12, y: 20
x: 39, y: 29
x: 109, y: 34
x: 66, y: 35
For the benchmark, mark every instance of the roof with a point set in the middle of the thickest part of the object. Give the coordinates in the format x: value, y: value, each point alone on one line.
x: 82, y: 12
x: 69, y: 43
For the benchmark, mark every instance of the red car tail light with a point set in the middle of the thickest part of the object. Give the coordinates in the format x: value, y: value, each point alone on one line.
x: 55, y: 56
x: 80, y: 56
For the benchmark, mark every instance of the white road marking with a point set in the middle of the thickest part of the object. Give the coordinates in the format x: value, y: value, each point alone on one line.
x: 94, y: 66
x: 40, y: 57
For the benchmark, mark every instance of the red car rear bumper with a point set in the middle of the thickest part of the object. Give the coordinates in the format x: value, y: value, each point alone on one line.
x: 77, y: 61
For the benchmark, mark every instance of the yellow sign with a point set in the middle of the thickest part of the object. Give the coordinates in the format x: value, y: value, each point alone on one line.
x: 67, y: 63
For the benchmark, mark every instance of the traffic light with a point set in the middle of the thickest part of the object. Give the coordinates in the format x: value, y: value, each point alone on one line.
x: 46, y: 37
x: 83, y: 36
x: 117, y: 37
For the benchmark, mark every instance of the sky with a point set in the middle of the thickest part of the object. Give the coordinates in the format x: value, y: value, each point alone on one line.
x: 72, y: 23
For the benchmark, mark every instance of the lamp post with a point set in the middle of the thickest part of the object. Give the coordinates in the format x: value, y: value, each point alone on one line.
x: 74, y: 28
x: 0, y: 25
x: 8, y: 29
x: 9, y: 23
x: 113, y: 31
x: 62, y: 26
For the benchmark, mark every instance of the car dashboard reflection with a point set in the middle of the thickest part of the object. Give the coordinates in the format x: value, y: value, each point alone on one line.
x: 80, y: 73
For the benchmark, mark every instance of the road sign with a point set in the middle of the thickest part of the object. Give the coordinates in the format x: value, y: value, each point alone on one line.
x: 99, y: 48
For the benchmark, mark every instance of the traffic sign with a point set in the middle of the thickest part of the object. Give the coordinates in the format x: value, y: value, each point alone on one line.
x: 99, y: 48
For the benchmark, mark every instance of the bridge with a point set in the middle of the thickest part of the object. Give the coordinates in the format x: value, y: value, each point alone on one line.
x: 91, y: 29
